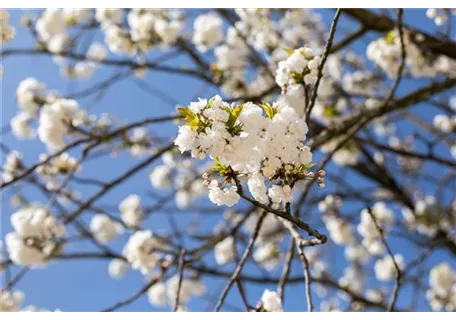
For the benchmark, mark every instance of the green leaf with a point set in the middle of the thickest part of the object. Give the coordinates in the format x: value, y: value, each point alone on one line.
x: 304, y: 167
x: 237, y: 111
x: 236, y: 130
x: 191, y: 119
x: 217, y: 167
x: 289, y: 51
x: 269, y: 110
x: 194, y: 124
x: 298, y: 77
x: 329, y: 111
x: 209, y: 103
x: 234, y: 115
x: 309, y: 165
x: 390, y: 37
x: 223, y: 170
x: 227, y: 109
x: 186, y: 113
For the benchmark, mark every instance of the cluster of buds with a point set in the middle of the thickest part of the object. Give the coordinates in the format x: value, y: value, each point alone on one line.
x: 206, y: 179
x: 166, y: 262
x: 63, y: 164
x: 320, y: 177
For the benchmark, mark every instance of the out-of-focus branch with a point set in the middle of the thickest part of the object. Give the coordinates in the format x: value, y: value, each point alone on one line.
x: 391, y: 255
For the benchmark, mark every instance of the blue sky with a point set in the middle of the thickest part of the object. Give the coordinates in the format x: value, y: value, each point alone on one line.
x: 85, y: 285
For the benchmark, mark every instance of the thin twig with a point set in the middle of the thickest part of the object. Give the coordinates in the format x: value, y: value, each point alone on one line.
x: 390, y: 253
x: 305, y: 262
x: 242, y: 294
x: 403, y: 57
x: 134, y: 297
x: 181, y: 276
x: 300, y: 244
x: 241, y: 263
x: 323, y: 61
x: 16, y: 279
x: 286, y: 270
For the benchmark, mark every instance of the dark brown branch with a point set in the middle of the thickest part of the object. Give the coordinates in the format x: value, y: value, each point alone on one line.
x: 368, y: 115
x: 349, y: 39
x: 300, y: 224
x: 381, y: 23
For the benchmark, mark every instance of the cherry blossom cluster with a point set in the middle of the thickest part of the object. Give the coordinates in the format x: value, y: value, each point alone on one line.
x: 144, y: 251
x: 52, y: 28
x: 300, y: 68
x: 267, y: 253
x: 428, y: 217
x: 442, y: 292
x: 140, y: 251
x: 385, y: 269
x: 12, y: 166
x: 105, y: 229
x: 55, y: 114
x: 260, y: 30
x: 35, y: 238
x: 383, y: 127
x: 131, y: 211
x: 270, y: 302
x: 352, y: 278
x: 356, y: 254
x: 347, y: 154
x: 440, y: 16
x: 58, y: 168
x: 139, y: 142
x: 360, y: 81
x: 165, y: 293
x: 445, y: 123
x: 367, y: 227
x: 59, y: 118
x: 54, y: 34
x: 52, y: 23
x: 95, y: 54
x: 406, y: 144
x: 145, y: 28
x: 60, y: 165
x: 55, y: 118
x: 10, y: 301
x: 142, y: 30
x: 8, y: 31
x: 330, y: 104
x: 386, y: 53
x: 180, y: 174
x: 339, y: 230
x: 253, y: 141
x: 207, y: 31
x: 257, y: 24
x: 30, y: 95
